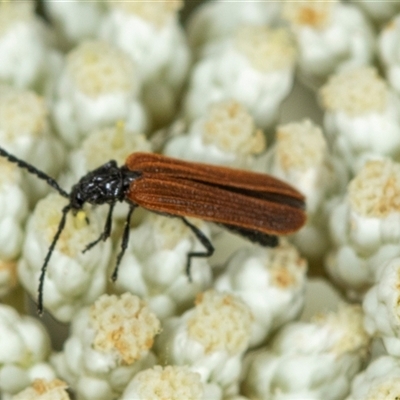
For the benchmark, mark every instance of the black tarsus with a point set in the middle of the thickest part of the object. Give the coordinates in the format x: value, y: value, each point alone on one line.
x: 106, y: 231
x: 60, y: 228
x: 204, y: 241
x: 40, y: 174
x: 125, y: 240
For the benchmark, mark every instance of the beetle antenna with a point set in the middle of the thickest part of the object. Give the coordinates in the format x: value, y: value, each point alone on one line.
x: 31, y: 169
x: 61, y: 226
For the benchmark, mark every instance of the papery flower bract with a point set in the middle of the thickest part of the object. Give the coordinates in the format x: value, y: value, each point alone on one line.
x: 150, y: 33
x: 210, y: 339
x: 109, y: 343
x: 98, y: 87
x: 365, y: 227
x: 331, y: 35
x: 309, y: 360
x: 73, y: 279
x: 380, y: 380
x: 362, y: 117
x: 154, y: 265
x: 42, y: 389
x: 226, y: 135
x: 270, y: 281
x: 24, y: 348
x: 254, y: 67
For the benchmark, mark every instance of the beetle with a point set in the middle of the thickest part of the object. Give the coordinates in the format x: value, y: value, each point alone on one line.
x: 256, y: 206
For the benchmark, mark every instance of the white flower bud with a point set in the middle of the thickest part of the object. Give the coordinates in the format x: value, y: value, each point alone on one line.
x: 110, y: 342
x: 315, y: 360
x: 170, y: 382
x: 362, y: 117
x: 387, y: 46
x: 380, y: 381
x: 332, y: 36
x: 381, y: 304
x: 216, y: 20
x: 24, y: 348
x: 73, y: 279
x: 25, y: 46
x: 44, y: 390
x: 271, y: 282
x: 98, y: 87
x: 25, y: 132
x: 255, y: 67
x: 154, y: 265
x: 365, y: 226
x: 227, y: 136
x: 74, y: 21
x: 210, y: 339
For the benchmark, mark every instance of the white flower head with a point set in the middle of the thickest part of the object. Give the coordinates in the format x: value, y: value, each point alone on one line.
x: 381, y: 307
x: 255, y: 67
x: 379, y: 381
x: 149, y: 32
x: 73, y: 278
x: 310, y: 360
x: 210, y: 338
x: 226, y: 135
x: 25, y: 48
x: 102, y: 145
x: 362, y: 117
x: 365, y: 225
x: 154, y: 265
x: 24, y: 349
x: 271, y: 281
x: 98, y: 87
x: 74, y: 21
x: 215, y: 21
x: 25, y: 132
x: 110, y: 342
x: 332, y: 36
x: 387, y: 47
x: 170, y: 382
x: 379, y: 12
x: 42, y: 389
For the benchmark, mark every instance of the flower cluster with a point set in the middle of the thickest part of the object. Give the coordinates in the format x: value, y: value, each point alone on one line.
x: 305, y: 91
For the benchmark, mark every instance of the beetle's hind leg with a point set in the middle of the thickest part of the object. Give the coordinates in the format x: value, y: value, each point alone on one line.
x: 204, y: 241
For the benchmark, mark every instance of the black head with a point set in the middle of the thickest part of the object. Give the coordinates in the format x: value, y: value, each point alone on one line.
x: 106, y: 184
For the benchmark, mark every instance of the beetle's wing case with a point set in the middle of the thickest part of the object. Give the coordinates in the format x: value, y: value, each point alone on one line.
x: 215, y: 194
x: 152, y: 164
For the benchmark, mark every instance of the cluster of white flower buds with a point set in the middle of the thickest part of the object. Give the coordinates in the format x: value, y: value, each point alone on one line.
x: 306, y: 91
